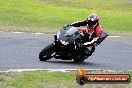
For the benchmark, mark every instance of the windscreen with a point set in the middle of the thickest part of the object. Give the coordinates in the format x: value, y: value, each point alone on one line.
x: 71, y: 31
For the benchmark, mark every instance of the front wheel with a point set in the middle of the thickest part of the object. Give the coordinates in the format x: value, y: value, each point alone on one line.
x: 47, y: 52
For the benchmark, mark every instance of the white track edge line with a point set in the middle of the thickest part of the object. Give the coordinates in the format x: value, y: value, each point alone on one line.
x: 54, y: 70
x: 114, y: 36
x: 17, y: 32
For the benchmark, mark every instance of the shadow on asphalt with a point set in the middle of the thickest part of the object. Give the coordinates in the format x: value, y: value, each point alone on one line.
x: 84, y: 64
x: 69, y: 62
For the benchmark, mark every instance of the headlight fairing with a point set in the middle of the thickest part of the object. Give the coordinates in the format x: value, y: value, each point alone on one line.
x: 64, y: 42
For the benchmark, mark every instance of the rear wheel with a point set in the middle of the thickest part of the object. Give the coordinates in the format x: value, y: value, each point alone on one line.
x: 47, y: 52
x: 79, y: 59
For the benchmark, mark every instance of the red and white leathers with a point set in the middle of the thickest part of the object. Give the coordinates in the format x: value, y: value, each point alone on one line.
x: 95, y: 32
x: 94, y: 36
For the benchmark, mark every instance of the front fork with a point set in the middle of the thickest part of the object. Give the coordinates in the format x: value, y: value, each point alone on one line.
x: 55, y: 37
x: 56, y: 44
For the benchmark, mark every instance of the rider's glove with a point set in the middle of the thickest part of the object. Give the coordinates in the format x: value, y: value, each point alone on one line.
x: 86, y: 32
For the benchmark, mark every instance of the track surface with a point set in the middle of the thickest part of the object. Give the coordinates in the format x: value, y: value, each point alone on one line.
x: 20, y: 51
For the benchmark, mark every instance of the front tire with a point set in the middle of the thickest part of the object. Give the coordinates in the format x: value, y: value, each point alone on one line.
x: 47, y: 52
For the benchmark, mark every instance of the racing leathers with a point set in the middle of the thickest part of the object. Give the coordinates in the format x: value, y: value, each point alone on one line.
x: 93, y: 32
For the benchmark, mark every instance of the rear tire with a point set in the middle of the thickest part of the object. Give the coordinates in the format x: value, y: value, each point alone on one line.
x: 84, y: 55
x: 47, y: 52
x: 80, y: 59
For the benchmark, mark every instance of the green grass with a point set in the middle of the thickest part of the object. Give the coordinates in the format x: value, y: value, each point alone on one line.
x: 52, y: 14
x: 44, y: 79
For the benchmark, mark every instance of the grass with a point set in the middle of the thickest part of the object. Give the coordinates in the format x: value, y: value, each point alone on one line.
x: 40, y: 15
x: 44, y: 79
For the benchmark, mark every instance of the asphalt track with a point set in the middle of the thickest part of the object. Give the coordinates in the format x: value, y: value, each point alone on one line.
x: 20, y: 51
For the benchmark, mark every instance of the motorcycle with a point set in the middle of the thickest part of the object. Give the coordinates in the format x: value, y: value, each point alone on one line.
x: 67, y: 45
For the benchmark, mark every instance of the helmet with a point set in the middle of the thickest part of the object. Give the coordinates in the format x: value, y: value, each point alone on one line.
x: 93, y: 19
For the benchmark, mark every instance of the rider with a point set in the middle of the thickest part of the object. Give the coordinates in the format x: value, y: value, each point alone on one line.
x: 94, y: 31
